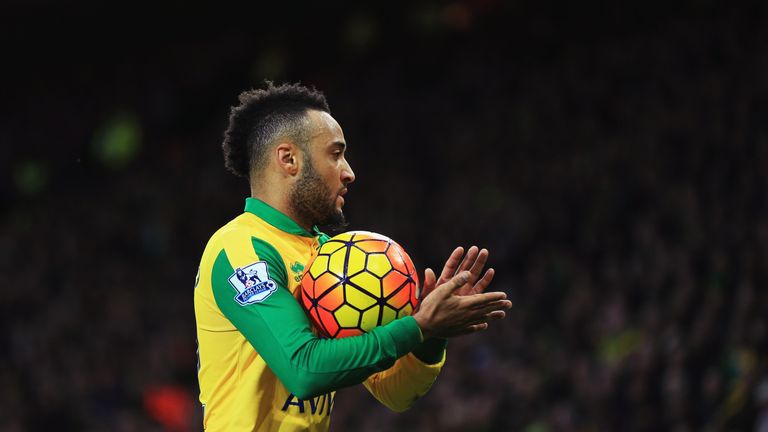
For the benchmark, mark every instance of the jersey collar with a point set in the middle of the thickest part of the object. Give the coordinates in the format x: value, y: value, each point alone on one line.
x: 277, y: 219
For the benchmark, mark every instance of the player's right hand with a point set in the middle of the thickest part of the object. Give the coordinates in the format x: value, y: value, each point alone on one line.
x: 443, y: 315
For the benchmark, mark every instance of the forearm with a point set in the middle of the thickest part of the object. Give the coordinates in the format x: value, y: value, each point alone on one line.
x: 322, y: 365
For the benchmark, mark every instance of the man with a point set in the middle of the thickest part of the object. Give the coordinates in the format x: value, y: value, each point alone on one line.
x: 260, y: 365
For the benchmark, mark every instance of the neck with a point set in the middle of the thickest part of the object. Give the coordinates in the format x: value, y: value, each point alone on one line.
x: 279, y: 201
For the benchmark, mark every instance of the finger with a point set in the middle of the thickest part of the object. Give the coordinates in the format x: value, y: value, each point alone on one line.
x: 501, y: 305
x: 469, y: 258
x: 496, y: 315
x: 491, y: 316
x: 480, y: 258
x: 485, y: 313
x: 483, y: 283
x: 451, y: 265
x: 429, y: 283
x: 453, y: 284
x: 474, y: 328
x: 479, y: 300
x: 477, y: 266
x: 498, y: 305
x: 486, y: 319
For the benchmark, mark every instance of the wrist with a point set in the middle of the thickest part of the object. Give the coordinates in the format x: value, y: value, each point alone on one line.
x: 421, y: 322
x: 405, y: 334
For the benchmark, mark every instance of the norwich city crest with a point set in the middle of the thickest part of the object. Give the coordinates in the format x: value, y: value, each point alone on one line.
x: 298, y: 270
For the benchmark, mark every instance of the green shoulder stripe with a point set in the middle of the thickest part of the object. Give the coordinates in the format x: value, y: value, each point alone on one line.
x: 222, y: 270
x: 267, y: 252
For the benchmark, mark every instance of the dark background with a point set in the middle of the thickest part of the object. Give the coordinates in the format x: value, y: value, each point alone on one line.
x: 611, y: 157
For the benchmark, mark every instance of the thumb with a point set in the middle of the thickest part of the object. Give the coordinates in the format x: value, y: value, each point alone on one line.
x: 429, y: 284
x: 453, y: 284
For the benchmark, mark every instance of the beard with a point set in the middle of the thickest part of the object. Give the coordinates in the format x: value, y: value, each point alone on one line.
x: 313, y: 202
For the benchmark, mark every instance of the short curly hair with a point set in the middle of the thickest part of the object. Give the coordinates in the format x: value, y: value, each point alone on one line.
x: 262, y: 118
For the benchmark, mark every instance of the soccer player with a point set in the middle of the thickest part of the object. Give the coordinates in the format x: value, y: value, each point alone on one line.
x: 261, y: 367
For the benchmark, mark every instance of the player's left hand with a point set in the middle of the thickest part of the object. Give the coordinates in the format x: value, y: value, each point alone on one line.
x: 474, y: 261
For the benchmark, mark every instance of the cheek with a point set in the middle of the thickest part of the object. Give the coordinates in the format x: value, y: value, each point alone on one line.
x: 333, y: 176
x: 329, y: 183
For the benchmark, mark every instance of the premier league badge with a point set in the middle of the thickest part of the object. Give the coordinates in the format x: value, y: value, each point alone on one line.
x: 252, y: 284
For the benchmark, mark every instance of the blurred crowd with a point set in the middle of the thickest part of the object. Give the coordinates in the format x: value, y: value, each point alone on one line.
x: 615, y: 173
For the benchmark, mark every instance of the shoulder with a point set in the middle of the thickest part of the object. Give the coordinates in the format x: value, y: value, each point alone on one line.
x: 245, y: 240
x: 239, y: 232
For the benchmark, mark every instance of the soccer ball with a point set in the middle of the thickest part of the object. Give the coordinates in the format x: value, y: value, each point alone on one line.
x: 358, y: 280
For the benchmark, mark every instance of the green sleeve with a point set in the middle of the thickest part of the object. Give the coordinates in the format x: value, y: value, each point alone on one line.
x: 431, y: 350
x: 280, y: 332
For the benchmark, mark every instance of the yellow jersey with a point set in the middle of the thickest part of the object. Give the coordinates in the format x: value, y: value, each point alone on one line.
x: 260, y: 365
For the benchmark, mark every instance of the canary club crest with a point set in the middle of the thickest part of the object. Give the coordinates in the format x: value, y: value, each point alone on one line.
x: 298, y: 269
x: 252, y: 283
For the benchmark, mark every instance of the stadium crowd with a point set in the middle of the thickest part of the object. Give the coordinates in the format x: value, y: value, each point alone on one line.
x: 618, y: 180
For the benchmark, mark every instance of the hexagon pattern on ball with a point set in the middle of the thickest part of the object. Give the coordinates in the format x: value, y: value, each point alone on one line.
x: 358, y: 280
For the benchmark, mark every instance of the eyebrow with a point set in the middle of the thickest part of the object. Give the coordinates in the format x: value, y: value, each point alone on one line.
x: 341, y: 144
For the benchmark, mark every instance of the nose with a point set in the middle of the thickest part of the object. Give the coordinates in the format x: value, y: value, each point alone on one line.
x: 347, y: 175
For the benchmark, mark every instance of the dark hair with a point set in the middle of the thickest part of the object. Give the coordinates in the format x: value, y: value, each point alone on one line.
x: 263, y: 117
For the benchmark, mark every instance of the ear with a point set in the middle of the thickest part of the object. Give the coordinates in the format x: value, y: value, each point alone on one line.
x: 288, y: 158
